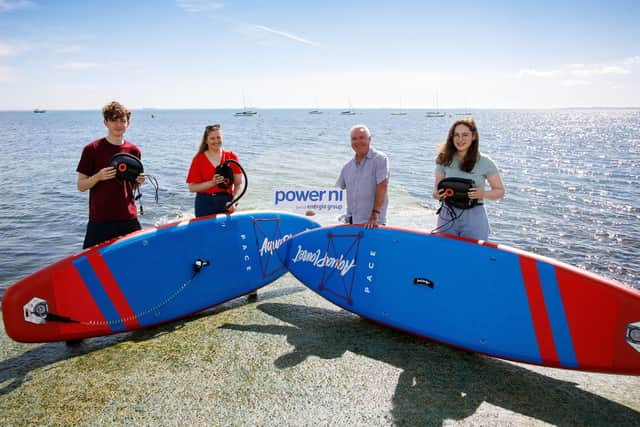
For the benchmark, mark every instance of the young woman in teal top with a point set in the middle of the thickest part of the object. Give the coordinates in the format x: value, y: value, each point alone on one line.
x: 460, y: 157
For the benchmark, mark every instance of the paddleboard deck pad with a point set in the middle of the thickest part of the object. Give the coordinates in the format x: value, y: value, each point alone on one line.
x: 150, y: 277
x: 478, y: 296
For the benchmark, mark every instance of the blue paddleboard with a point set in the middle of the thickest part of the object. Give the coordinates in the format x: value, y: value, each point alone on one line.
x: 473, y: 295
x: 150, y: 277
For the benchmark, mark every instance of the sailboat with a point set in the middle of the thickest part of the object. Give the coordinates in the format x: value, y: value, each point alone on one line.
x: 401, y: 112
x: 316, y: 110
x: 348, y: 112
x: 466, y: 111
x: 435, y: 113
x: 245, y: 112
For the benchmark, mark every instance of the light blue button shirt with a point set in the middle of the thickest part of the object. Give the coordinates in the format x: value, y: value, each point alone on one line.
x: 360, y: 181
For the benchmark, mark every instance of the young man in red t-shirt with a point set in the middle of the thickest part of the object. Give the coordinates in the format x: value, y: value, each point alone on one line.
x: 112, y: 206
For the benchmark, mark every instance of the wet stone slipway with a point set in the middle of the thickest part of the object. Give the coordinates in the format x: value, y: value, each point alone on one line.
x: 291, y: 358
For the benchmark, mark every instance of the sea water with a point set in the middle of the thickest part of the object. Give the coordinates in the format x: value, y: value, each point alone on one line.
x: 572, y: 177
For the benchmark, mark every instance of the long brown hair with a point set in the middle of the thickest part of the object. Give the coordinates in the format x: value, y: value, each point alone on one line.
x: 448, y: 149
x: 203, y: 145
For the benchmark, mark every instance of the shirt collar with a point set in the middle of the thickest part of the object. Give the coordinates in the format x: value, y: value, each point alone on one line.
x: 370, y: 154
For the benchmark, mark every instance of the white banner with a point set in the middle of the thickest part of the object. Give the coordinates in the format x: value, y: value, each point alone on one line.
x: 318, y: 200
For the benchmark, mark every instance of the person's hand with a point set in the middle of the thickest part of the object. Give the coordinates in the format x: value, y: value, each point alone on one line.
x: 439, y: 194
x: 106, y: 173
x: 475, y: 193
x: 231, y: 208
x: 217, y: 179
x: 373, y: 221
x: 140, y: 180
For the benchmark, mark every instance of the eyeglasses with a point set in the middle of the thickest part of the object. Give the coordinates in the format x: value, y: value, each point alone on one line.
x: 212, y: 127
x: 465, y: 135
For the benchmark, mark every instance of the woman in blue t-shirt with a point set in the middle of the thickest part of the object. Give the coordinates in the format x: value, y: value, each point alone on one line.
x: 460, y: 157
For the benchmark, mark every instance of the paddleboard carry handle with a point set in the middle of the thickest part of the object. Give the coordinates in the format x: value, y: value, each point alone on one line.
x: 424, y: 282
x: 199, y: 264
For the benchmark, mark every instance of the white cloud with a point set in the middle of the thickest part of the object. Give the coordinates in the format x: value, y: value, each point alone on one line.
x: 194, y: 6
x: 283, y: 34
x: 614, y: 69
x: 77, y: 66
x: 571, y: 75
x: 633, y: 60
x: 582, y: 70
x: 575, y: 82
x: 9, y: 5
x: 68, y: 49
x: 12, y: 49
x: 525, y: 72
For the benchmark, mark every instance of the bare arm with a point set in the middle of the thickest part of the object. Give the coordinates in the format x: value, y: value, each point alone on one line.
x: 238, y: 186
x: 496, y: 192
x: 200, y: 187
x: 438, y: 194
x: 86, y: 182
x: 381, y: 192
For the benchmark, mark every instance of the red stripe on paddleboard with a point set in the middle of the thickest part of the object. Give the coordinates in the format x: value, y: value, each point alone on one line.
x: 112, y: 289
x: 538, y: 308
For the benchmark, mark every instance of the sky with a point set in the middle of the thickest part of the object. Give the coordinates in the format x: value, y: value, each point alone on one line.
x: 81, y: 54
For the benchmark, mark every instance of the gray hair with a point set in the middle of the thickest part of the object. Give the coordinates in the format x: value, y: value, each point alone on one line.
x: 363, y: 127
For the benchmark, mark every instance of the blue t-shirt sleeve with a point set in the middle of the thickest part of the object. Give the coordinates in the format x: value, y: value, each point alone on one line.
x: 490, y: 168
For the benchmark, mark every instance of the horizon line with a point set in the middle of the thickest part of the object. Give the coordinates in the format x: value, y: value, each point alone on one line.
x: 447, y: 109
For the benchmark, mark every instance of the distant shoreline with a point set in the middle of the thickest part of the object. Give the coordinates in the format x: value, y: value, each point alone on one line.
x: 337, y: 109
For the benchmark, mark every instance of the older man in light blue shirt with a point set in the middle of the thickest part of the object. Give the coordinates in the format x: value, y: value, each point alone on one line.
x: 365, y: 177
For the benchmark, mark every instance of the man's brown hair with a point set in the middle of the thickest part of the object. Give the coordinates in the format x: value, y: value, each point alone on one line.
x: 114, y: 111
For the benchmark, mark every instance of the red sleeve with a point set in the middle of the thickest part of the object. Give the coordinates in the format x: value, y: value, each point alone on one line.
x: 195, y: 171
x: 86, y: 165
x: 136, y: 152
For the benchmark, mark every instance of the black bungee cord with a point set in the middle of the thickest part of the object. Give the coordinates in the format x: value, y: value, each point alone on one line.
x: 226, y: 172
